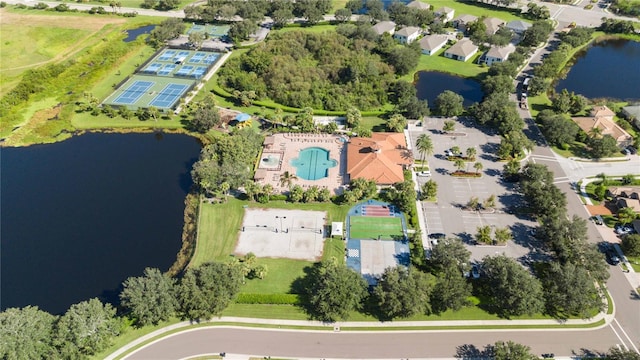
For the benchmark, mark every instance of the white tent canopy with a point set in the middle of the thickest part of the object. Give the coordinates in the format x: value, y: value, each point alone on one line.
x: 336, y: 229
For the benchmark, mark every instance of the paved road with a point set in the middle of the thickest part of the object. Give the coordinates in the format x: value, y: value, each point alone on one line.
x: 441, y: 344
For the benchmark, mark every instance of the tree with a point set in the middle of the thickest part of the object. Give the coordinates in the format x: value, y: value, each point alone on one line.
x: 569, y: 290
x: 459, y: 163
x: 483, y: 234
x: 542, y: 196
x: 353, y: 117
x: 150, y: 298
x: 154, y: 113
x: 631, y: 244
x: 620, y: 354
x: 497, y: 84
x: 208, y: 289
x: 196, y: 38
x: 449, y: 104
x: 396, y: 123
x: 490, y: 202
x: 87, y: 327
x: 241, y: 30
x: 449, y: 126
x: 429, y: 189
x: 473, y: 203
x: 311, y: 194
x: 601, y: 147
x: 451, y: 291
x: 282, y: 17
x: 296, y: 193
x: 502, y: 235
x: 537, y: 33
x: 424, y: 145
x: 26, y: 333
x: 511, y: 170
x: 478, y: 167
x: 626, y: 215
x: 404, y: 59
x: 556, y: 128
x: 206, y: 116
x: 510, y: 351
x: 561, y: 102
x: 511, y: 290
x: 286, y: 179
x: 471, y: 153
x: 333, y: 291
x: 450, y: 252
x: 343, y: 15
x: 402, y: 293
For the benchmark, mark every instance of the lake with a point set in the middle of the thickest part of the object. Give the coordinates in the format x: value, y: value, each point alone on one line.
x: 134, y: 33
x: 608, y: 69
x: 80, y: 216
x: 430, y: 84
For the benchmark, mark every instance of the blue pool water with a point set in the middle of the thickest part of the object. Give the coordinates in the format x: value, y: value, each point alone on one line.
x: 313, y: 163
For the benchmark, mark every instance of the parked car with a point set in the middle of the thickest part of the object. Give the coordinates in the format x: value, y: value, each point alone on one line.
x: 623, y: 230
x: 435, y: 237
x: 612, y: 256
x: 626, y: 151
x: 597, y: 219
x: 424, y: 173
x: 448, y: 153
x: 632, y: 150
x: 475, y: 271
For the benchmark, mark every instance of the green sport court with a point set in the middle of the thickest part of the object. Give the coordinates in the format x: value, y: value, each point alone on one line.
x: 214, y: 31
x: 141, y: 91
x: 369, y: 227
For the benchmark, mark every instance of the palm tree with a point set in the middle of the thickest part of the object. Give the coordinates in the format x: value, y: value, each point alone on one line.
x: 424, y: 146
x: 502, y: 235
x: 224, y: 189
x: 449, y: 126
x: 459, y: 164
x: 471, y: 154
x: 478, y: 166
x: 483, y: 234
x: 286, y: 179
x: 490, y: 202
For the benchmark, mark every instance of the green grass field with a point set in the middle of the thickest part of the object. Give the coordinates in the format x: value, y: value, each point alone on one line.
x: 437, y: 62
x: 369, y: 227
x: 280, y: 275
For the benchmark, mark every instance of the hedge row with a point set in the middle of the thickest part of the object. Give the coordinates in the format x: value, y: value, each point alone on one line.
x: 275, y: 299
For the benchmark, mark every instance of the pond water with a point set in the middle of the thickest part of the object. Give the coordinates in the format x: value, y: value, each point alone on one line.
x: 80, y: 216
x: 430, y: 84
x: 134, y: 33
x: 608, y: 69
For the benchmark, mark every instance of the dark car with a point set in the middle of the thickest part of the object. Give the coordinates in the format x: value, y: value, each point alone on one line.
x: 632, y: 150
x: 612, y: 256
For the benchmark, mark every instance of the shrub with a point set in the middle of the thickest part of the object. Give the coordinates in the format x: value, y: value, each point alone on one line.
x: 274, y: 299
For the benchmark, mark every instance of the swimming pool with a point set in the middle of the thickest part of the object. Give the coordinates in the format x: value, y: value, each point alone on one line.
x: 313, y: 163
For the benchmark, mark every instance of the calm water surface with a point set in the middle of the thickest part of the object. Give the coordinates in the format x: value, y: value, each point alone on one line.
x: 134, y: 33
x: 80, y: 216
x: 430, y: 84
x: 609, y: 69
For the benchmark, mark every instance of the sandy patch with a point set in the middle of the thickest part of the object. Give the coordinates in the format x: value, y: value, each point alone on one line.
x: 598, y: 210
x: 70, y: 22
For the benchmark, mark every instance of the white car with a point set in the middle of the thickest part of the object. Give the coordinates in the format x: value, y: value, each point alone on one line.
x: 425, y: 173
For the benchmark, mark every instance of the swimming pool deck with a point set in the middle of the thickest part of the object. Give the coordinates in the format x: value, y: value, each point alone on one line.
x: 287, y: 146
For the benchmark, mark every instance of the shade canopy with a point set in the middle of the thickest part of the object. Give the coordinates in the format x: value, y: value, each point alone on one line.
x: 243, y: 117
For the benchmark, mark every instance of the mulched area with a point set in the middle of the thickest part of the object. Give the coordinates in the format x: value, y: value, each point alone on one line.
x: 599, y: 210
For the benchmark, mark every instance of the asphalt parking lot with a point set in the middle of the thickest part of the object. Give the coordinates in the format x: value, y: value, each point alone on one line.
x: 447, y: 215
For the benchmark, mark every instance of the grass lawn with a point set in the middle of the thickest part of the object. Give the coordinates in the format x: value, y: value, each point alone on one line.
x: 478, y: 9
x: 312, y: 29
x: 136, y: 4
x: 280, y: 275
x: 218, y: 227
x: 635, y: 262
x: 368, y: 227
x: 333, y: 248
x: 438, y: 62
x: 334, y: 212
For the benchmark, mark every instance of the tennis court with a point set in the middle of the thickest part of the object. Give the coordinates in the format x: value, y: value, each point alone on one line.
x: 383, y: 228
x: 185, y: 70
x: 214, y: 31
x: 197, y: 57
x: 169, y: 95
x: 132, y: 93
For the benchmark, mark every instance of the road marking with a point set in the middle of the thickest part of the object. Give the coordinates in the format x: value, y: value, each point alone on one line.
x: 627, y: 336
x: 619, y: 338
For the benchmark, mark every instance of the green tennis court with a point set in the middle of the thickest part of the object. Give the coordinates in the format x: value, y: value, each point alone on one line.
x: 375, y: 227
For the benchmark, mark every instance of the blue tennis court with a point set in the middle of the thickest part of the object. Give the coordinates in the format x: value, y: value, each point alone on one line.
x: 169, y: 95
x: 153, y: 68
x: 133, y: 92
x: 197, y: 57
x: 167, y: 55
x: 167, y: 69
x: 211, y: 58
x: 198, y: 72
x: 184, y: 71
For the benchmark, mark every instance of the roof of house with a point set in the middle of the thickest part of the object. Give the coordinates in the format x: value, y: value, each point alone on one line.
x: 444, y: 10
x: 518, y: 25
x: 636, y: 225
x: 632, y: 111
x: 600, y: 111
x: 380, y: 157
x: 419, y: 5
x: 630, y: 203
x: 466, y: 18
x: 492, y: 24
x: 463, y: 48
x: 432, y: 41
x: 501, y: 52
x: 632, y: 192
x: 408, y: 31
x: 384, y: 26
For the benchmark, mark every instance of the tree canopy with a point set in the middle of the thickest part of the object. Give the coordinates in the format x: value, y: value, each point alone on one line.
x: 403, y: 293
x: 150, y: 298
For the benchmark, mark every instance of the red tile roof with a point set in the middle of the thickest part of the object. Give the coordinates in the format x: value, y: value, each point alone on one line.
x: 382, y: 158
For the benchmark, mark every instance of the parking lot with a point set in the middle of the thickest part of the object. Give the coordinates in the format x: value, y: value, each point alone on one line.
x: 447, y: 214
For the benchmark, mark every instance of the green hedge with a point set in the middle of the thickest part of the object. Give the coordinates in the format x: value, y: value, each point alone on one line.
x: 275, y: 299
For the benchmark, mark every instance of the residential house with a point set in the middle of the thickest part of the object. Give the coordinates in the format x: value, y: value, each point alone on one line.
x: 636, y: 225
x: 463, y: 50
x: 419, y: 5
x: 492, y: 24
x: 407, y: 34
x: 498, y: 54
x: 383, y: 157
x: 630, y: 192
x: 622, y: 203
x: 445, y: 13
x: 432, y: 43
x: 382, y: 27
x: 518, y: 26
x: 632, y: 113
x: 462, y: 21
x: 601, y: 118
